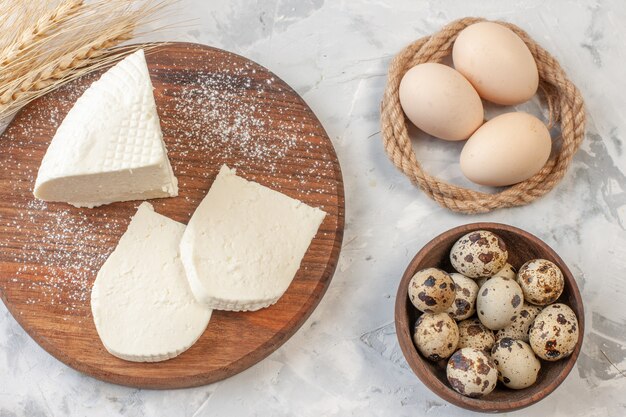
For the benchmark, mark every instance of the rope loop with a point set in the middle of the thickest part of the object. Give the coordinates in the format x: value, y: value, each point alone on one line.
x: 561, y: 97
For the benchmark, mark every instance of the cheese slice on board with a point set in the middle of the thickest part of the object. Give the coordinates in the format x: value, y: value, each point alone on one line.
x: 244, y: 243
x: 141, y: 302
x: 109, y: 147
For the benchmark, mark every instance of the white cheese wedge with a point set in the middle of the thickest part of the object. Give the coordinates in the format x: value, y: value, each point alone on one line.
x: 244, y: 243
x: 109, y: 147
x: 141, y: 302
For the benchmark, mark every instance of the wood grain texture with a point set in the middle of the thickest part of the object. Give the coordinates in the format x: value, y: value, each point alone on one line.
x: 522, y: 247
x: 215, y: 107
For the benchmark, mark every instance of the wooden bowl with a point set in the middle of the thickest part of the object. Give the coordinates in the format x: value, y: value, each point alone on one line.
x: 522, y: 247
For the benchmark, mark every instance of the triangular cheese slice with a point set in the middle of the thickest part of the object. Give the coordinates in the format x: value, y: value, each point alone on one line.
x: 109, y: 147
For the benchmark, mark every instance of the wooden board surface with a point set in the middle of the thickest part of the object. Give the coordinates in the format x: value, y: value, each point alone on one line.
x: 215, y: 107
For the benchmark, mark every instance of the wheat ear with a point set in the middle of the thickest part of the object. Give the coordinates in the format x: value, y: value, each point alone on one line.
x: 44, y: 26
x: 68, y: 42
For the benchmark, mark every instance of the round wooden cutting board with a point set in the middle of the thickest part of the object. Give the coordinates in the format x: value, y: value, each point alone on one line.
x: 215, y: 108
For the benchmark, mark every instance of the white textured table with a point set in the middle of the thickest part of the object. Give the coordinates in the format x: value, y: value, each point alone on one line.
x: 345, y: 360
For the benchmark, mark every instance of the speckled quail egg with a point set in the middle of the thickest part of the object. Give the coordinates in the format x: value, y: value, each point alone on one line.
x: 518, y: 330
x: 464, y: 304
x: 554, y: 333
x: 436, y: 335
x: 517, y: 364
x: 541, y: 280
x: 431, y: 290
x: 507, y: 271
x: 481, y: 281
x: 472, y: 372
x: 499, y: 302
x: 473, y: 334
x: 479, y: 254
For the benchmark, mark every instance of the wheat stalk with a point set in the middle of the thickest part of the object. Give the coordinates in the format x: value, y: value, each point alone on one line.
x: 15, y: 17
x: 68, y: 67
x: 44, y: 27
x: 69, y: 39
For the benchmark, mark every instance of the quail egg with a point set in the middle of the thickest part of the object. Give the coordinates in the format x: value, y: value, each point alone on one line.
x: 481, y: 281
x: 518, y: 330
x: 499, y: 302
x: 473, y: 334
x: 464, y: 304
x: 472, y: 372
x: 479, y: 254
x: 508, y: 272
x: 541, y: 280
x: 517, y: 364
x: 431, y: 290
x: 554, y: 333
x: 436, y: 335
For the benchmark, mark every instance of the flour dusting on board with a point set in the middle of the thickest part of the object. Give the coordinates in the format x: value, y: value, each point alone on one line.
x: 62, y: 271
x: 213, y: 111
x: 237, y: 116
x: 242, y: 118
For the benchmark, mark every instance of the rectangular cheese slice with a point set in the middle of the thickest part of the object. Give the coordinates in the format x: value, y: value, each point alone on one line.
x: 109, y: 147
x: 244, y: 243
x: 141, y: 302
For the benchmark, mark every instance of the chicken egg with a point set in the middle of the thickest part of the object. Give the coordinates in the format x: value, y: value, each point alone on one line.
x: 508, y: 149
x: 496, y: 62
x: 440, y: 101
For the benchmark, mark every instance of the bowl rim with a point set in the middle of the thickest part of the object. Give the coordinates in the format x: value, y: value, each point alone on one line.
x: 419, y: 366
